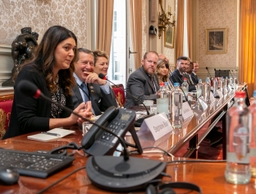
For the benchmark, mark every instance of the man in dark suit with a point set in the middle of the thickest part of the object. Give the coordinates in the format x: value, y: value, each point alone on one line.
x: 193, y: 74
x: 143, y: 83
x: 89, y: 86
x: 180, y: 72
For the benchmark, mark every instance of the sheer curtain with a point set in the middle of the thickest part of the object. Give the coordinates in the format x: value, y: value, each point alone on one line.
x: 135, y: 24
x: 104, y: 25
x: 247, y: 46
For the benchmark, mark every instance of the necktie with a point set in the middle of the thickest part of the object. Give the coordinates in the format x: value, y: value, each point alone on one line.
x: 153, y: 83
x: 85, y: 92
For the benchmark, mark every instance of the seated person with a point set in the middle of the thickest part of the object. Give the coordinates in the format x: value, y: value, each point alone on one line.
x: 53, y: 76
x: 189, y: 73
x: 193, y: 74
x: 163, y: 73
x: 101, y: 66
x: 89, y: 86
x: 180, y: 72
x: 143, y: 83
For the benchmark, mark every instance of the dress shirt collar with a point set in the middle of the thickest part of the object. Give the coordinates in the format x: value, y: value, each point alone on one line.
x: 78, y: 81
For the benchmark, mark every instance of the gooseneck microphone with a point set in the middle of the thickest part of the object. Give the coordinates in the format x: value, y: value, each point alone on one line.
x: 109, y: 172
x: 138, y: 122
x: 231, y: 74
x: 30, y: 89
x: 208, y: 72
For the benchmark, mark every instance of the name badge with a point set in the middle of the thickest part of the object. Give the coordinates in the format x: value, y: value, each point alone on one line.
x: 158, y: 125
x: 203, y: 103
x: 187, y: 112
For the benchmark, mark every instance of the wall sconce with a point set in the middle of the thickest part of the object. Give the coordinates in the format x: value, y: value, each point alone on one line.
x: 164, y: 19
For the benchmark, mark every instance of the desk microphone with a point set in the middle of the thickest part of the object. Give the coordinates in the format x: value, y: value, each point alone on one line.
x: 108, y: 172
x: 231, y: 74
x: 139, y: 121
x: 208, y: 72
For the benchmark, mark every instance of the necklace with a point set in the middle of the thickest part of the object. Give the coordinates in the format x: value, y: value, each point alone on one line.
x: 56, y: 81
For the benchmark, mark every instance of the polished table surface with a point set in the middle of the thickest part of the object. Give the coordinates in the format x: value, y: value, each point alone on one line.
x: 209, y: 176
x: 185, y: 142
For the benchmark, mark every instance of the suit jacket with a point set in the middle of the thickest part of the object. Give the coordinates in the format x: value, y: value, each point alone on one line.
x: 141, y: 87
x: 177, y: 77
x: 100, y: 100
x: 194, y: 78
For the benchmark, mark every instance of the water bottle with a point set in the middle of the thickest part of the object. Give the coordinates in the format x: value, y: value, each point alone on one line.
x: 185, y: 86
x: 162, y: 101
x: 226, y: 85
x: 215, y: 87
x: 222, y: 89
x: 231, y: 85
x: 207, y: 90
x: 169, y: 95
x: 238, y: 142
x: 253, y: 136
x: 199, y: 88
x: 177, y: 106
x: 235, y: 83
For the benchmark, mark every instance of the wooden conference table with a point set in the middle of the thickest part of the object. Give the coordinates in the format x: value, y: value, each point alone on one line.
x: 185, y: 142
x: 209, y: 176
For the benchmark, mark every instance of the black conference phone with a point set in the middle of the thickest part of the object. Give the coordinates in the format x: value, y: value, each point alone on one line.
x: 98, y: 142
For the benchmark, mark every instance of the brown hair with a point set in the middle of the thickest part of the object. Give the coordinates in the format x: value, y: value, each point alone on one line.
x: 44, y: 58
x: 160, y: 77
x: 98, y: 53
x: 146, y: 54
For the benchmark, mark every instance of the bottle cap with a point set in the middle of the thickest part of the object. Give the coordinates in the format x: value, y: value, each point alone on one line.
x: 184, y: 78
x: 162, y: 84
x: 254, y: 93
x: 240, y: 94
x: 176, y: 84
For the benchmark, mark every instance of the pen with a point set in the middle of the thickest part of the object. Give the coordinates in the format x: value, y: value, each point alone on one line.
x: 48, y: 133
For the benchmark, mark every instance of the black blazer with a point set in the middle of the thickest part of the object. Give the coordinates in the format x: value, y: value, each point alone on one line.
x: 29, y: 114
x: 100, y: 100
x: 177, y: 77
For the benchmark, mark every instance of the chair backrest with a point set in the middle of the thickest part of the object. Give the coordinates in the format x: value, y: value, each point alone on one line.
x: 119, y: 93
x: 5, y: 113
x: 222, y: 73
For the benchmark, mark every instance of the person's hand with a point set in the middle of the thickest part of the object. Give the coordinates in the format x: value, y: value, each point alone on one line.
x: 94, y: 78
x: 85, y: 110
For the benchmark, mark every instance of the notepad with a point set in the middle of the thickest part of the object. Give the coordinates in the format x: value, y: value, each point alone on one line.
x: 51, y: 135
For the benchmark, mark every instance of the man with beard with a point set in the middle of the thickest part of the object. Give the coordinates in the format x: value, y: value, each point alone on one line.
x: 143, y: 83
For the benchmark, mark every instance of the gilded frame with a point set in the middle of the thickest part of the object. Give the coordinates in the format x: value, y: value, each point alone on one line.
x: 216, y: 41
x: 169, y: 35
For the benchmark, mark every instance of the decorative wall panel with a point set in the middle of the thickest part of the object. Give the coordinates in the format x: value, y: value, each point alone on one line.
x: 40, y: 15
x: 218, y: 14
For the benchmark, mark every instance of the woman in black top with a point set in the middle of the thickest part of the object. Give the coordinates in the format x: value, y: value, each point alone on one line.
x: 51, y: 70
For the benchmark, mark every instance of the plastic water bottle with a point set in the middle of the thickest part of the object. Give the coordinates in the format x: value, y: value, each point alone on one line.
x: 169, y: 96
x: 215, y: 87
x: 177, y: 106
x: 231, y: 84
x: 162, y: 101
x: 185, y: 86
x: 235, y: 83
x: 238, y: 142
x: 253, y: 136
x: 207, y: 90
x: 199, y: 88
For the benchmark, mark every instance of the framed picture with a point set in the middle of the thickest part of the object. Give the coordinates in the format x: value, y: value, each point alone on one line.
x: 216, y: 41
x: 169, y: 37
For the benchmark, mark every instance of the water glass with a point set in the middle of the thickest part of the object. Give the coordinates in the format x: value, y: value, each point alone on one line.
x: 85, y: 127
